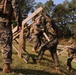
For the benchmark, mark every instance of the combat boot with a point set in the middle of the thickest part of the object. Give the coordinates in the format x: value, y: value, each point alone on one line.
x: 57, y: 69
x: 36, y: 60
x: 69, y: 69
x: 6, y: 68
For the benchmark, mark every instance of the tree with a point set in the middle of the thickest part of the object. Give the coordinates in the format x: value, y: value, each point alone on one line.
x: 27, y: 6
x: 49, y: 6
x: 67, y: 32
x: 60, y: 14
x: 39, y: 5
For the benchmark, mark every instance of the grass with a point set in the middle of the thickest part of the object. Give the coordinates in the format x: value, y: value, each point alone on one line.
x: 46, y: 67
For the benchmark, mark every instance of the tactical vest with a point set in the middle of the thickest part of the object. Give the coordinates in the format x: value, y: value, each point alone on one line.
x: 5, y: 6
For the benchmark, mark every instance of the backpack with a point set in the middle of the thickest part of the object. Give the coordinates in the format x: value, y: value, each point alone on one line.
x: 4, y: 6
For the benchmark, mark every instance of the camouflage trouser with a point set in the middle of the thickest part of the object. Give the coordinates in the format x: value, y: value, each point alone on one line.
x: 37, y: 42
x: 52, y: 47
x: 71, y: 56
x: 6, y: 42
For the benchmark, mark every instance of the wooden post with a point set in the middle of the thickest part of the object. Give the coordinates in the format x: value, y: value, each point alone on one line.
x: 21, y: 33
x: 47, y: 38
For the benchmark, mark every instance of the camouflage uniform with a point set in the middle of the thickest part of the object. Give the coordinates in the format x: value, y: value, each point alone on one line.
x: 36, y: 35
x: 50, y: 45
x: 6, y: 31
x: 71, y: 54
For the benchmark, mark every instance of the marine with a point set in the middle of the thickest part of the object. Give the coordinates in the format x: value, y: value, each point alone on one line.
x: 8, y: 9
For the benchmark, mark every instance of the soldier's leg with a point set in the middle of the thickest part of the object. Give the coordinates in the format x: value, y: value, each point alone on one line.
x: 38, y: 44
x: 35, y: 44
x: 42, y: 50
x: 6, y: 47
x: 55, y: 57
x: 40, y: 53
x: 69, y: 60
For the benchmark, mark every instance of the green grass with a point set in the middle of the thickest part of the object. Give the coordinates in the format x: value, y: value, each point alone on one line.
x: 46, y: 67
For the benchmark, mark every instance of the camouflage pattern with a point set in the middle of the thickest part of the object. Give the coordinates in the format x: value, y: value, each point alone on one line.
x: 6, y: 42
x: 17, y: 12
x: 71, y: 54
x: 6, y: 31
x: 51, y: 45
x: 36, y: 35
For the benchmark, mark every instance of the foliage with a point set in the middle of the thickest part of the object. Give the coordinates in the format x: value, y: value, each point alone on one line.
x: 73, y: 29
x: 39, y: 5
x: 67, y: 32
x: 27, y: 6
x: 49, y: 6
x: 64, y: 14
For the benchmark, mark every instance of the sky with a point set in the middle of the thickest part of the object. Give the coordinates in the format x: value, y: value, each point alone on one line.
x: 55, y: 1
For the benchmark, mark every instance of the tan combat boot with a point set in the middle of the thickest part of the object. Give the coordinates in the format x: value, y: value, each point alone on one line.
x: 6, y: 68
x: 57, y: 69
